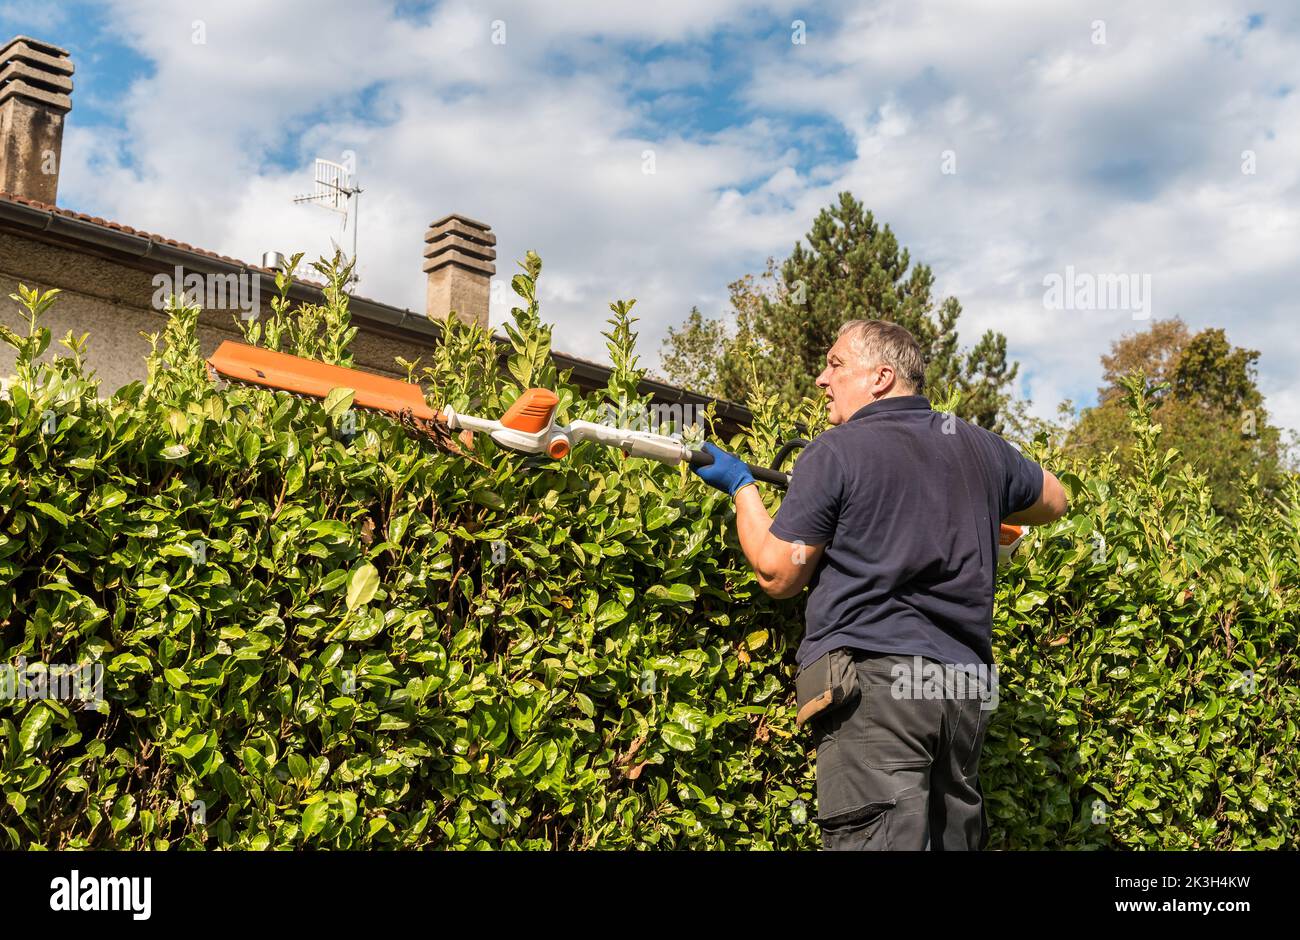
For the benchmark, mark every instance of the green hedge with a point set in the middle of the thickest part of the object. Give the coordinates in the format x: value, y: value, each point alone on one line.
x: 365, y: 642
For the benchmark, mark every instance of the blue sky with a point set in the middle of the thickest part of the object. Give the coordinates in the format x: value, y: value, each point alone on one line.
x: 1107, y: 137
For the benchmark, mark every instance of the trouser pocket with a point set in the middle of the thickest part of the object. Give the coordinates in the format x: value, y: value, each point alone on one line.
x: 825, y: 685
x: 862, y: 828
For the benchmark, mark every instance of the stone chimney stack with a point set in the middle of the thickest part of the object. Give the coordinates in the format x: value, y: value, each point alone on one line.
x: 458, y: 257
x: 35, y: 90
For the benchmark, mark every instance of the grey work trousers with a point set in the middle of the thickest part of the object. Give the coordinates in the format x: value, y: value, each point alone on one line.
x: 897, y: 770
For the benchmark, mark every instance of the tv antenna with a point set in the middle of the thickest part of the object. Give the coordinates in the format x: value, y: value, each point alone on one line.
x: 336, y: 190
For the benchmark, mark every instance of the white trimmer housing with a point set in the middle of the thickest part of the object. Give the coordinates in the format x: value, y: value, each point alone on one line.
x: 529, y: 427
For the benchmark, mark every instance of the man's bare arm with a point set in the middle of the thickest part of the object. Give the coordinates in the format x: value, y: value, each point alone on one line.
x: 1052, y: 504
x: 783, y: 568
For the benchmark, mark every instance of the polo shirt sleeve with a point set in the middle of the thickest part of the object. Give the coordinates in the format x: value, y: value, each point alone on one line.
x: 811, y: 508
x: 1022, y: 479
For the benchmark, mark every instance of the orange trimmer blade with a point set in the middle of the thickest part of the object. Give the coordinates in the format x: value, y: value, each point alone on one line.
x: 253, y: 365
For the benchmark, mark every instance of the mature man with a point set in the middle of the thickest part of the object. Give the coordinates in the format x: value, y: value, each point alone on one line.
x: 892, y: 516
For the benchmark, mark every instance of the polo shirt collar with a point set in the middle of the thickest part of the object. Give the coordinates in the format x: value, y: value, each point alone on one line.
x: 897, y: 403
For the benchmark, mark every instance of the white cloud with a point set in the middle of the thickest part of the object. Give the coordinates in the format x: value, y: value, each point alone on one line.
x: 39, y: 13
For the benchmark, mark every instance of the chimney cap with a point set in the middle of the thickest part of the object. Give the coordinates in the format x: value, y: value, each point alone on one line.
x: 37, y: 71
x: 462, y: 218
x: 460, y: 232
x: 7, y: 51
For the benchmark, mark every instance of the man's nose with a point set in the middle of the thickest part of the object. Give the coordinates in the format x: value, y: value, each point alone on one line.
x: 822, y: 381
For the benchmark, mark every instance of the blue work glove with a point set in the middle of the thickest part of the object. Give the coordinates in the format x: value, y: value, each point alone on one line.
x: 727, y: 472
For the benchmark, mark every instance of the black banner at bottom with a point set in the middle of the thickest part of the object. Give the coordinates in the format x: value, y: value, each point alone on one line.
x: 634, y: 890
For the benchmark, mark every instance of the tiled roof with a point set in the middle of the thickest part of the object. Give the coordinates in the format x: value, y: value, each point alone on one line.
x: 141, y: 233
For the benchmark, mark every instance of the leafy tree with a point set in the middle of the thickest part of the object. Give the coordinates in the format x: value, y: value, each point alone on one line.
x: 852, y: 268
x: 1205, y: 397
x: 1154, y: 351
x: 704, y: 355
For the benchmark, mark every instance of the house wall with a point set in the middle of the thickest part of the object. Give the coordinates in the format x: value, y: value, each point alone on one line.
x: 114, y: 304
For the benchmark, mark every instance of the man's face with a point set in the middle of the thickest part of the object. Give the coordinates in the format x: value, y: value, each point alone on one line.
x: 849, y: 382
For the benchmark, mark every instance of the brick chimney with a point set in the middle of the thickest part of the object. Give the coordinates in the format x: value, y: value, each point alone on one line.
x: 35, y: 90
x: 458, y: 257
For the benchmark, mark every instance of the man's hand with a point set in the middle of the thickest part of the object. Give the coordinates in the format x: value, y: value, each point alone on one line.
x: 727, y: 472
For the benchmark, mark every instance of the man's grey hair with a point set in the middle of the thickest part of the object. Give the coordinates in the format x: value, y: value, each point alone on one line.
x: 880, y: 342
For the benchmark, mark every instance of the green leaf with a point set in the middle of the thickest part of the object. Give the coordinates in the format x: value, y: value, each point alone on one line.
x: 58, y: 515
x: 676, y: 736
x: 37, y: 720
x: 314, y: 818
x: 108, y: 496
x: 193, y: 745
x: 123, y: 812
x: 298, y: 766
x: 1029, y: 600
x: 529, y: 759
x: 174, y: 452
x: 332, y: 655
x: 675, y: 594
x: 176, y: 678
x: 611, y: 612
x: 293, y: 479
x: 252, y: 446
x: 334, y: 579
x: 660, y: 516
x: 488, y: 498
x: 691, y: 719
x: 338, y: 401
x: 362, y: 585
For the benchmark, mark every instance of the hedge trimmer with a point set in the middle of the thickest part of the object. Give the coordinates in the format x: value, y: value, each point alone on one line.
x: 527, y: 427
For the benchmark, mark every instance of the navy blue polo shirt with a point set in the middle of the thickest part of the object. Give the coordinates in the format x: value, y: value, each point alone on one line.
x: 907, y: 501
